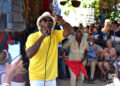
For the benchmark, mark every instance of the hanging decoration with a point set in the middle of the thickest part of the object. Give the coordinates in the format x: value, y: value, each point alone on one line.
x: 25, y: 9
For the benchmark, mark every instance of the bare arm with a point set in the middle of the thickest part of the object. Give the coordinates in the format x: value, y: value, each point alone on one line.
x: 33, y: 49
x: 96, y: 51
x: 116, y: 41
x: 67, y: 27
x: 102, y: 53
x: 86, y: 53
x: 65, y: 47
x: 63, y: 53
x: 112, y: 54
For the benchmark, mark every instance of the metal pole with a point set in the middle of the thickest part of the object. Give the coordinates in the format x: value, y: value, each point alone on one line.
x: 115, y: 10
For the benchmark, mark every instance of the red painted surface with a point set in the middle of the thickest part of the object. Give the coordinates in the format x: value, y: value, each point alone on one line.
x: 45, y: 4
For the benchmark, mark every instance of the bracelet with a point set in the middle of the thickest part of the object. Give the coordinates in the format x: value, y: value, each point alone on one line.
x: 5, y: 84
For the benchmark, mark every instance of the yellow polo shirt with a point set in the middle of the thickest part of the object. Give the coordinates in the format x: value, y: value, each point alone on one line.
x: 37, y: 62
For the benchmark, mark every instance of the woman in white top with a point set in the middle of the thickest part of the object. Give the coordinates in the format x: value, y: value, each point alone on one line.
x: 109, y: 54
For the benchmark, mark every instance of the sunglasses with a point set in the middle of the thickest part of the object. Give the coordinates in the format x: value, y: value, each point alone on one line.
x: 47, y: 20
x: 74, y: 3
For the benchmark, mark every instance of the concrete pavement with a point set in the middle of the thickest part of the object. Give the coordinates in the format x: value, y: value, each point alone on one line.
x: 61, y: 82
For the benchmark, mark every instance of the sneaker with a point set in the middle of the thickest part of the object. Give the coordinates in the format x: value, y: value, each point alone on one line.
x: 91, y: 81
x: 86, y: 81
x: 65, y: 76
x: 103, y: 79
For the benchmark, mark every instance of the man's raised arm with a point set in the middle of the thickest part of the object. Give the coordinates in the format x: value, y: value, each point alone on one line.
x: 68, y: 30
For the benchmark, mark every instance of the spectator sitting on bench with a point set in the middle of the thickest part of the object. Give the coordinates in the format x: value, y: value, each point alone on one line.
x: 93, y: 54
x: 109, y: 55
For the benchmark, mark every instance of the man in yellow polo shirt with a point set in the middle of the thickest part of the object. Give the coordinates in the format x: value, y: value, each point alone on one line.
x: 42, y: 50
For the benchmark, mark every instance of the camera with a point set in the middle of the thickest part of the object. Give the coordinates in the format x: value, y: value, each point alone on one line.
x: 91, y: 43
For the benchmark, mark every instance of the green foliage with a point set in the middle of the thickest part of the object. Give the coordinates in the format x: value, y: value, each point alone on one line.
x: 102, y: 6
x: 117, y: 16
x: 96, y: 5
x: 99, y: 5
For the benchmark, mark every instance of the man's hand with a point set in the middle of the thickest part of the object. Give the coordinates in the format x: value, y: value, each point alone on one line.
x: 68, y: 30
x: 63, y: 53
x: 58, y: 18
x: 44, y: 31
x: 60, y: 57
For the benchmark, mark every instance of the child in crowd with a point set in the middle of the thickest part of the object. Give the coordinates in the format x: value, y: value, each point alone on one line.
x: 3, y: 61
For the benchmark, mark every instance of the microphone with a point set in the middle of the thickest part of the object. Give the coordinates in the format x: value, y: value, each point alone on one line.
x: 47, y: 33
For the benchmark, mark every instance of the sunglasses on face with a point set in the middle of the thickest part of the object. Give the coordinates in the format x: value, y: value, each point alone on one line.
x: 74, y: 3
x: 47, y: 20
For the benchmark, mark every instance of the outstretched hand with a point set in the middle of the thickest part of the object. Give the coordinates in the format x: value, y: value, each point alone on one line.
x: 13, y: 69
x: 68, y: 30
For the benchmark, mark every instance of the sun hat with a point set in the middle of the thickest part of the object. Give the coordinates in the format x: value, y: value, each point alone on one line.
x: 45, y: 14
